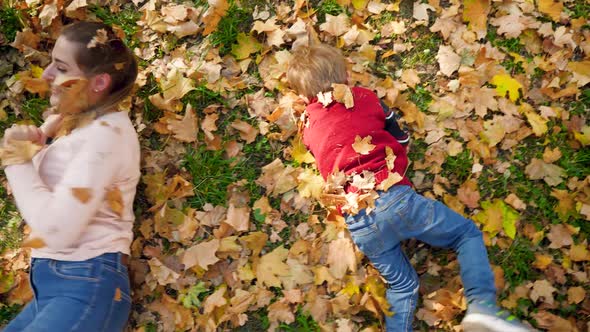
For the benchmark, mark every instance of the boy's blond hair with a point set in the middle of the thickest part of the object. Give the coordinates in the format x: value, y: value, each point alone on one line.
x: 314, y: 68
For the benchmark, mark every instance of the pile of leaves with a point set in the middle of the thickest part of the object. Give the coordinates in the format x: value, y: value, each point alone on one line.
x: 230, y: 233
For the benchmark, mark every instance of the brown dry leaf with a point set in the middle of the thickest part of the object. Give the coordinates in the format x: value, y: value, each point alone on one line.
x: 336, y: 25
x: 550, y: 173
x: 550, y: 156
x: 559, y: 236
x: 576, y: 295
x: 341, y: 257
x: 185, y: 130
x: 553, y: 323
x: 343, y: 94
x: 202, y: 254
x: 468, y: 193
x: 272, y: 266
x: 215, y: 300
x: 280, y: 311
x: 363, y: 145
x: 515, y: 202
x: 100, y: 38
x: 238, y: 218
x: 161, y: 273
x: 114, y: 198
x: 542, y: 289
x: 579, y: 253
x: 216, y: 11
x: 325, y: 98
x: 448, y: 60
x: 175, y: 85
x: 410, y: 77
x: 247, y: 132
x: 84, y: 195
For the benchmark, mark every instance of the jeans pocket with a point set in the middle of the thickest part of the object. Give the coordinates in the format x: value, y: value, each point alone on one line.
x: 368, y: 239
x: 75, y: 270
x: 415, y: 212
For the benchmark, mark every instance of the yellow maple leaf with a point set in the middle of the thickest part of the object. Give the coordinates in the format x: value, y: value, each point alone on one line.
x: 84, y: 195
x: 34, y: 243
x: 272, y: 266
x: 475, y: 12
x: 506, y: 84
x: 537, y: 122
x: 583, y: 136
x: 310, y: 184
x: 299, y: 152
x: 551, y: 7
x: 363, y: 145
x: 18, y: 152
x: 246, y: 45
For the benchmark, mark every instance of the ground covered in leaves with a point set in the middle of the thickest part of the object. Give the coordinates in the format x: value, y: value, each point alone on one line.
x: 230, y: 234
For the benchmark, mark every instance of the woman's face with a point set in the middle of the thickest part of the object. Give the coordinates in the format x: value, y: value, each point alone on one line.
x: 62, y: 64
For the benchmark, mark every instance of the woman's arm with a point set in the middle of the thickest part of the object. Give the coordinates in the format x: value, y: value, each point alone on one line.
x: 60, y: 216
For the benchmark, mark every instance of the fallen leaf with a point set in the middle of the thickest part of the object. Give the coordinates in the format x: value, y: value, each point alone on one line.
x: 114, y: 198
x: 185, y: 130
x: 559, y: 236
x: 202, y: 254
x: 542, y: 289
x: 363, y: 145
x: 448, y: 60
x: 576, y: 295
x: 272, y: 266
x: 551, y: 174
x: 506, y: 84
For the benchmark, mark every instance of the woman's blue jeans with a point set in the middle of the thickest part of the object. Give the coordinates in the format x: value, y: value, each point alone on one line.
x: 400, y: 214
x: 90, y: 295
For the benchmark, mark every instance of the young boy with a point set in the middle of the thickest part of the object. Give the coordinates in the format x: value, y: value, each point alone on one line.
x: 400, y: 213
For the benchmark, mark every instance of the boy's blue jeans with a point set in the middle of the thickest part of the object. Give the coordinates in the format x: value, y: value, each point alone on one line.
x: 76, y: 296
x: 401, y: 213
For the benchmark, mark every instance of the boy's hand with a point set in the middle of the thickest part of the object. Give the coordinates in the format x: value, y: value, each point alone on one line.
x: 24, y: 133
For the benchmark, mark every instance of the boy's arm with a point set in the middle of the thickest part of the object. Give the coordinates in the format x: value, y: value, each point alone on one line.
x: 392, y: 126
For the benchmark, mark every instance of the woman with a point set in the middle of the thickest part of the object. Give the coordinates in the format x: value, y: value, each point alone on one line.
x: 76, y: 194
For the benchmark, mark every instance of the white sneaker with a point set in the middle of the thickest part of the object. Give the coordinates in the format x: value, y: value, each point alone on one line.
x: 487, y: 317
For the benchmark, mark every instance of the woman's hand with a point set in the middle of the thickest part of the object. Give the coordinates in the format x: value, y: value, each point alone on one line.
x: 51, y: 125
x: 25, y: 133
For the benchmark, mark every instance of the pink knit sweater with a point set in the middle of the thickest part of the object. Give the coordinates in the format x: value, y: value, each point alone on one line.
x: 91, y: 160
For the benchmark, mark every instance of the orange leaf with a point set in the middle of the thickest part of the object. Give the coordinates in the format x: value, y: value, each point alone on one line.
x: 84, y: 195
x: 115, y: 200
x: 363, y: 145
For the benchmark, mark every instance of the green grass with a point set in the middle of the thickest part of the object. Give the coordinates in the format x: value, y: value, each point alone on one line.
x: 236, y: 20
x: 303, y: 323
x: 126, y: 19
x: 8, y: 312
x: 458, y: 168
x: 10, y: 234
x: 10, y: 23
x: 425, y: 48
x: 33, y: 109
x: 201, y: 97
x: 325, y: 7
x: 580, y: 106
x: 516, y: 261
x: 421, y: 97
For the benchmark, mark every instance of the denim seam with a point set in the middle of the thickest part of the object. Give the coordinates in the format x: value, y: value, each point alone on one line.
x: 53, y: 267
x: 110, y: 268
x: 400, y: 195
x: 90, y: 305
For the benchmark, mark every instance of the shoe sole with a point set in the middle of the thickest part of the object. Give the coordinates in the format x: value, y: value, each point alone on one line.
x: 487, y: 323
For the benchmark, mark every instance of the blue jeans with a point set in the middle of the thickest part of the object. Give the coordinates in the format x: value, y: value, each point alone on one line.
x: 90, y: 295
x: 401, y: 213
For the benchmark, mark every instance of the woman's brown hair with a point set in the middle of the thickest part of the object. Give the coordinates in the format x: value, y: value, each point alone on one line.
x: 101, y: 51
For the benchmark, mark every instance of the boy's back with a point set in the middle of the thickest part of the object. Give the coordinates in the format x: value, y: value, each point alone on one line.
x: 330, y: 133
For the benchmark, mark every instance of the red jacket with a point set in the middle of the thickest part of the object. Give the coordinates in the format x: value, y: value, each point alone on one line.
x: 331, y: 131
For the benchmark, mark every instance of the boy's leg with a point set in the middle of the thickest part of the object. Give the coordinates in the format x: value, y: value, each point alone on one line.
x: 402, y: 290
x: 376, y: 238
x: 443, y: 227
